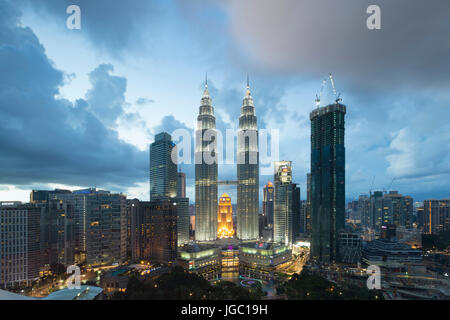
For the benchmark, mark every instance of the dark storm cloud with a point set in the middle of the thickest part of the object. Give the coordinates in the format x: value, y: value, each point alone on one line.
x: 112, y: 25
x: 316, y: 36
x: 43, y: 139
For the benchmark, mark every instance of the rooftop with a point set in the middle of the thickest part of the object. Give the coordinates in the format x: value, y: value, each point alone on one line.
x: 84, y: 293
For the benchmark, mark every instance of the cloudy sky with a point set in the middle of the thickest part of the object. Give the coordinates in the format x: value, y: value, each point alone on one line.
x: 80, y: 107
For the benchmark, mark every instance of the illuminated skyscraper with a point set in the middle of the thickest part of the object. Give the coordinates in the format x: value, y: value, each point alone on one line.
x: 182, y: 205
x: 247, y: 171
x: 163, y: 171
x: 154, y: 231
x: 268, y: 203
x: 284, y: 194
x: 181, y: 185
x: 206, y: 171
x: 225, y: 217
x: 327, y: 180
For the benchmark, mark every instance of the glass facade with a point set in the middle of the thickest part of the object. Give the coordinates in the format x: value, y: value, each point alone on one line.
x: 206, y: 172
x: 327, y: 181
x: 163, y: 171
x: 247, y: 172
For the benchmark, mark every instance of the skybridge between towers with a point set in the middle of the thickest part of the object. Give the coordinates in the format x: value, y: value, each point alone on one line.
x: 227, y: 183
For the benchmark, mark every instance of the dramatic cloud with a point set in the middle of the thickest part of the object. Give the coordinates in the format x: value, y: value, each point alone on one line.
x: 394, y: 82
x: 106, y: 98
x: 317, y: 36
x: 48, y: 140
x: 114, y: 26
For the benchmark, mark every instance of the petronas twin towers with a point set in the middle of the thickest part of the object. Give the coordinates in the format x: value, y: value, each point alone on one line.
x: 206, y: 171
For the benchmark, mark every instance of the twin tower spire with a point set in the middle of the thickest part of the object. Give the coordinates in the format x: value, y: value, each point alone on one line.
x: 206, y: 174
x: 206, y: 91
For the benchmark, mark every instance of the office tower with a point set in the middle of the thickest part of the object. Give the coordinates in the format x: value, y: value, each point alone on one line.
x: 268, y: 203
x: 225, y: 217
x: 302, y: 216
x: 247, y: 171
x: 168, y: 184
x: 436, y: 216
x: 327, y: 180
x: 182, y: 207
x: 296, y: 213
x: 163, y: 171
x: 206, y: 171
x: 57, y: 233
x: 154, y: 231
x: 283, y: 203
x: 42, y: 196
x: 182, y: 203
x: 181, y: 185
x: 20, y: 255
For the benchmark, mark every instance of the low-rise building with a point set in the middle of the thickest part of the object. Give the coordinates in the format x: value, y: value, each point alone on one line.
x: 260, y: 260
x: 115, y: 280
x: 202, y: 259
x: 350, y: 247
x: 391, y: 255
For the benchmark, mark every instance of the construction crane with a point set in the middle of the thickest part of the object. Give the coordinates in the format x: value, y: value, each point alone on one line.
x: 336, y: 94
x: 389, y: 187
x: 319, y: 96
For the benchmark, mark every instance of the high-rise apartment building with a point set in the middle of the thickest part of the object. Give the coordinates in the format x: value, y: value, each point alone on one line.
x: 385, y: 209
x: 154, y: 231
x: 247, y: 171
x: 436, y: 216
x: 100, y: 225
x: 285, y: 191
x: 206, y: 171
x: 106, y: 228
x: 57, y: 233
x: 20, y: 254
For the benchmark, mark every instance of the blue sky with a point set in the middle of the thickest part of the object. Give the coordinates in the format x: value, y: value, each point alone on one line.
x: 79, y: 107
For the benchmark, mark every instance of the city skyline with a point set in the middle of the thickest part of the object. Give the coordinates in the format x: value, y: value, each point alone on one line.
x: 224, y: 150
